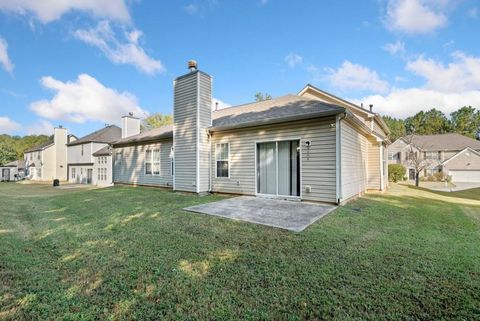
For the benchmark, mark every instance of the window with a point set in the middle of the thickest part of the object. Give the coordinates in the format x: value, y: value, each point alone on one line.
x: 73, y: 173
x: 152, y: 161
x: 222, y: 154
x: 38, y: 155
x: 156, y: 162
x: 82, y: 149
x: 148, y: 162
x: 118, y: 158
x: 432, y: 155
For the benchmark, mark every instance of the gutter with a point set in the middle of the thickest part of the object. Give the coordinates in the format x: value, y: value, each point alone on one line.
x: 338, y: 155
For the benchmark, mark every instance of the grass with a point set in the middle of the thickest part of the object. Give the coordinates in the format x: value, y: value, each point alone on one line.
x: 132, y: 254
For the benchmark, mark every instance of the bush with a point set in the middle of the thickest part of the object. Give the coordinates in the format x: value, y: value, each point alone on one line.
x: 396, y: 172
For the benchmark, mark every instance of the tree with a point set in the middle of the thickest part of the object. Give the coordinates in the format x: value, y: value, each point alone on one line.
x: 20, y: 144
x: 156, y: 120
x: 7, y: 154
x: 415, y: 157
x: 261, y: 97
x: 428, y: 123
x: 397, y: 127
x: 466, y: 121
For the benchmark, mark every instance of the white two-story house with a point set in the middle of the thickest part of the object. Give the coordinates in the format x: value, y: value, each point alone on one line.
x: 48, y: 161
x: 81, y: 159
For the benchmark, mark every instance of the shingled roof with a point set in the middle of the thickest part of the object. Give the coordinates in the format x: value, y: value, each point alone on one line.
x: 151, y: 135
x: 443, y: 142
x: 20, y: 164
x: 105, y: 151
x: 285, y: 108
x: 40, y: 147
x: 108, y: 134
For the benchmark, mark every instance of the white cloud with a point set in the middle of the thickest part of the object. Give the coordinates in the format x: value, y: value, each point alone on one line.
x: 416, y: 16
x: 447, y: 88
x: 293, y: 60
x: 461, y: 75
x: 407, y: 102
x: 4, y: 59
x: 50, y: 10
x: 354, y: 76
x: 42, y: 127
x: 8, y: 126
x: 85, y: 99
x: 395, y: 48
x: 192, y: 8
x: 221, y: 104
x: 127, y: 52
x: 473, y: 13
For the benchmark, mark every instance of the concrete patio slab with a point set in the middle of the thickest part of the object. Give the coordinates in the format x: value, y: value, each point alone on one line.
x: 289, y: 215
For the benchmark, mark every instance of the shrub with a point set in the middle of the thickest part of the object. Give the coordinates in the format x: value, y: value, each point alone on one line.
x: 396, y: 172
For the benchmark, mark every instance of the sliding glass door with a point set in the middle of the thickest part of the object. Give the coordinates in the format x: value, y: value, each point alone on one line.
x: 278, y: 168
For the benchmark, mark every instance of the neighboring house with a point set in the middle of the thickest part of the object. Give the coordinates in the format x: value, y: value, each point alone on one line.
x: 102, y: 167
x: 12, y: 171
x: 48, y: 161
x: 311, y: 146
x: 81, y: 157
x: 453, y: 154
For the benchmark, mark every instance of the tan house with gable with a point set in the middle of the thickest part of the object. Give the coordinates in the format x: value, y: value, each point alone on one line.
x: 453, y: 154
x: 311, y: 146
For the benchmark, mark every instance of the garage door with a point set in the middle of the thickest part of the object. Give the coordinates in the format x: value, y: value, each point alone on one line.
x: 465, y: 176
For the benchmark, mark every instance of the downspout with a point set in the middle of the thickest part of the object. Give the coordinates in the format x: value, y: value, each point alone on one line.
x: 209, y: 162
x: 338, y: 155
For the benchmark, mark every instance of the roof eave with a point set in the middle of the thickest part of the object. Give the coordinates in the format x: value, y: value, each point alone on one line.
x: 277, y: 120
x: 142, y: 141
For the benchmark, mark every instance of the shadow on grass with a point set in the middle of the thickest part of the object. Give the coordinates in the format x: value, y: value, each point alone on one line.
x: 135, y: 254
x: 471, y: 194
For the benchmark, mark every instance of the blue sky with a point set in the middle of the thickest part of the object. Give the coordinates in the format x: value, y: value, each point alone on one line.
x: 83, y: 64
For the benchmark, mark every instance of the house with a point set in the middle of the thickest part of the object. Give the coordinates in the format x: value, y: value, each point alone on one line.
x: 48, y: 161
x: 311, y: 146
x: 12, y: 171
x: 81, y: 159
x: 453, y: 154
x: 102, y: 167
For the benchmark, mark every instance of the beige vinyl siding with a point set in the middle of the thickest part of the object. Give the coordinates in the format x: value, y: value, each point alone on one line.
x: 374, y: 171
x: 378, y: 129
x: 48, y: 159
x: 317, y: 164
x: 205, y: 121
x: 466, y: 160
x: 131, y: 169
x: 185, y: 133
x: 354, y: 161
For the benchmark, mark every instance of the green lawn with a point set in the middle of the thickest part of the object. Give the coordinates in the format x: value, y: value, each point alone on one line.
x: 132, y: 254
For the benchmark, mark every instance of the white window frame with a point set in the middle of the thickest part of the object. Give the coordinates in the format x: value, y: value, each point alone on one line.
x: 153, y: 163
x: 222, y: 160
x: 74, y: 174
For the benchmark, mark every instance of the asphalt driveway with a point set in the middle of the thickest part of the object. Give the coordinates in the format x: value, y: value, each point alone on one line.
x: 289, y: 215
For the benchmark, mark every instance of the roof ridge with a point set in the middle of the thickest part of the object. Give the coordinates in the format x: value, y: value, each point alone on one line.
x: 259, y: 102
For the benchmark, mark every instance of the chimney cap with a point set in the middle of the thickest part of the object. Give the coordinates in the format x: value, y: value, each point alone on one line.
x: 192, y: 65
